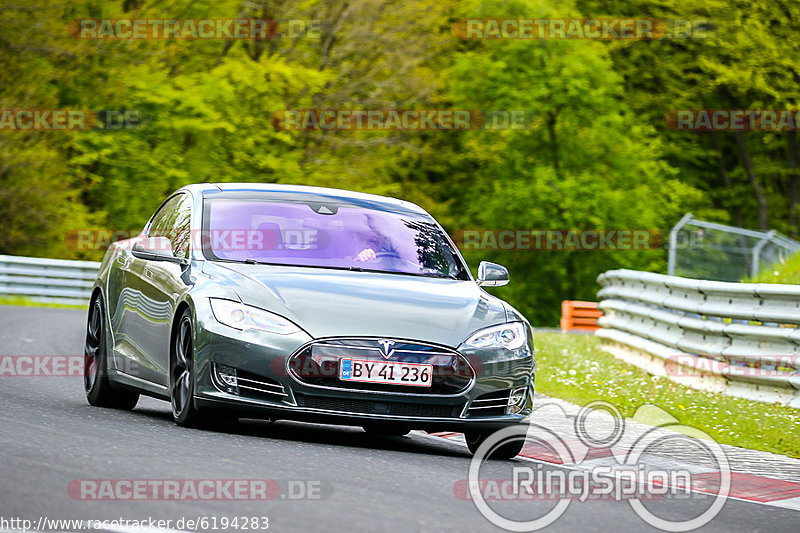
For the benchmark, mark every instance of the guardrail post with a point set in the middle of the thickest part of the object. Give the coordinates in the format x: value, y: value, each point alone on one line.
x: 673, y: 235
x: 754, y: 266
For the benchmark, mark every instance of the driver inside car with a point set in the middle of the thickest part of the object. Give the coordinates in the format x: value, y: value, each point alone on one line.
x: 376, y: 244
x: 365, y: 255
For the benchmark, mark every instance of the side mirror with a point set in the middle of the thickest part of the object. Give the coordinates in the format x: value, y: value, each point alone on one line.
x: 492, y: 274
x: 155, y: 249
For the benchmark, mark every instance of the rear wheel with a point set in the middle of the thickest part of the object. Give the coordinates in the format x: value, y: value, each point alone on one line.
x: 507, y: 450
x: 99, y: 391
x: 181, y: 376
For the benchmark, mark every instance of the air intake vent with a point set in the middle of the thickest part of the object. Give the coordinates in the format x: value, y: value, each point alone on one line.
x: 246, y: 384
x: 358, y: 406
x: 492, y: 404
x: 260, y: 388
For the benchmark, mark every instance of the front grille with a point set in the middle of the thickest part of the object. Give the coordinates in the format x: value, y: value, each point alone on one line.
x: 492, y: 404
x: 374, y: 407
x: 317, y: 364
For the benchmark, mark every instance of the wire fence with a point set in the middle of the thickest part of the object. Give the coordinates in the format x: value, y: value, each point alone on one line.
x: 707, y: 250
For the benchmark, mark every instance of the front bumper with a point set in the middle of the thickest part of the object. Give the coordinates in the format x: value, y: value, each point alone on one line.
x: 269, y: 389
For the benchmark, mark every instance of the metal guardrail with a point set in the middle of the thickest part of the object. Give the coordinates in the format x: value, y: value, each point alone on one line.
x: 47, y: 280
x: 742, y: 339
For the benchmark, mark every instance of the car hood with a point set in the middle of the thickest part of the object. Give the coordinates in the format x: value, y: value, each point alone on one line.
x: 337, y: 303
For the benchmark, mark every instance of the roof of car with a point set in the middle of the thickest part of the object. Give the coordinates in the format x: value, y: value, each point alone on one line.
x: 303, y: 189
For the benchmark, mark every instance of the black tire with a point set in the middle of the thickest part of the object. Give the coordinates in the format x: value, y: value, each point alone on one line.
x: 98, y: 388
x: 181, y: 375
x: 389, y: 430
x: 508, y: 450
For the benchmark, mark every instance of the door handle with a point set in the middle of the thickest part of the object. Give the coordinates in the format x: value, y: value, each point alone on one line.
x: 148, y: 273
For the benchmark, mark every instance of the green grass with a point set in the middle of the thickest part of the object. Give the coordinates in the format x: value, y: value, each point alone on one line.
x: 787, y: 271
x: 19, y: 300
x: 573, y: 368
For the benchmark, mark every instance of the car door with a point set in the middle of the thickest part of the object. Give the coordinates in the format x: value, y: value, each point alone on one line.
x: 155, y: 287
x: 119, y: 309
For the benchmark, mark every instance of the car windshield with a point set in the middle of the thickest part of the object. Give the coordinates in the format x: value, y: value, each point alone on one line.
x: 327, y: 233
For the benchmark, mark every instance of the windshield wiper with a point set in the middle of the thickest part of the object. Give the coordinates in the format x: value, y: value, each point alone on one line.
x: 440, y: 275
x: 354, y: 268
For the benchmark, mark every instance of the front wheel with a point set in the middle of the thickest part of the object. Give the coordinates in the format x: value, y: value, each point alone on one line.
x: 181, y: 376
x: 99, y: 391
x: 507, y: 450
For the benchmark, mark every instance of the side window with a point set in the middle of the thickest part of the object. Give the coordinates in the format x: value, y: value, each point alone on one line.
x: 173, y: 221
x: 180, y: 233
x: 160, y: 222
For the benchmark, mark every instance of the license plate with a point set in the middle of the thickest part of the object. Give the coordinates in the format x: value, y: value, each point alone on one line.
x: 371, y: 371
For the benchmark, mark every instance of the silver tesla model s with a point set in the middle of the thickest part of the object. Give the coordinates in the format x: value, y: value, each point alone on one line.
x: 311, y: 304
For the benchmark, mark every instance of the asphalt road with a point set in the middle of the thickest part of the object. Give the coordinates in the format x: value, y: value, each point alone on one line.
x: 50, y: 436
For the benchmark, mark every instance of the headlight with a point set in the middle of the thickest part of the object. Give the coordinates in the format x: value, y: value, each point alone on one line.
x: 510, y: 336
x: 240, y: 316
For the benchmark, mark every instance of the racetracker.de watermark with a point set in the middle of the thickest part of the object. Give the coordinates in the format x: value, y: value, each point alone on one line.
x: 198, y: 489
x: 138, y: 525
x: 41, y: 366
x: 575, y: 28
x: 742, y: 366
x: 195, y: 29
x: 57, y: 366
x: 401, y: 119
x: 28, y: 120
x: 330, y: 367
x: 218, y: 240
x: 702, y: 120
x: 557, y: 239
x: 299, y: 239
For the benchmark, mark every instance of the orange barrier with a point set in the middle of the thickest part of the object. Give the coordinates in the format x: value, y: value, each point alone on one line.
x: 577, y: 315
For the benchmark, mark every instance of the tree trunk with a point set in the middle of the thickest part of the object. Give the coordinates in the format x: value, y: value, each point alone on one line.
x: 723, y: 172
x: 761, y: 198
x: 792, y: 156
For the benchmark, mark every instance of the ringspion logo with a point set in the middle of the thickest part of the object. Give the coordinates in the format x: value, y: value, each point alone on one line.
x: 636, y: 470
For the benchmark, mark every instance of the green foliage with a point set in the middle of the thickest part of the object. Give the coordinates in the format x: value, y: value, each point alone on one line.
x: 587, y: 162
x: 595, y: 155
x: 787, y: 271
